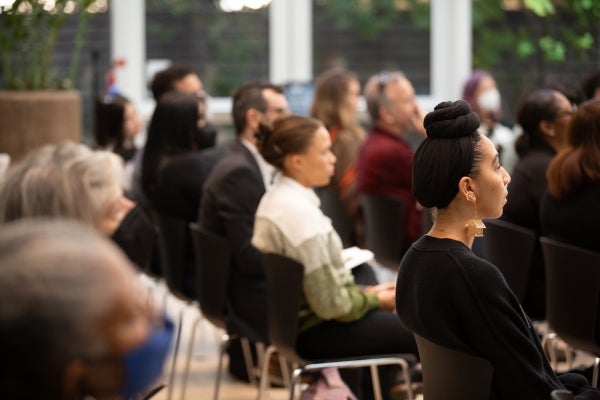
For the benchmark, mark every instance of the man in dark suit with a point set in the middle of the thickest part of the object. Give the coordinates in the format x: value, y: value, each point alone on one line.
x: 229, y: 201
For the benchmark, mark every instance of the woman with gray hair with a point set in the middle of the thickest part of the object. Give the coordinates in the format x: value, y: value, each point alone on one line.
x: 74, y: 323
x: 69, y: 180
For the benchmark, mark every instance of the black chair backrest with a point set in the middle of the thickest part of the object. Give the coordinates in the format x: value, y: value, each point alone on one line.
x: 284, y: 293
x: 384, y: 227
x: 572, y: 293
x: 510, y: 248
x: 213, y: 256
x: 334, y: 209
x: 453, y: 375
x: 174, y: 247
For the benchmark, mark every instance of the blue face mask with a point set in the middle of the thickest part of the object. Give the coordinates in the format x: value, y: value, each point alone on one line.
x: 144, y: 364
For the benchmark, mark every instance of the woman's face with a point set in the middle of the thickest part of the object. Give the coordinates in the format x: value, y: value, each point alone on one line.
x: 353, y: 96
x: 315, y: 166
x: 113, y: 212
x: 560, y: 125
x: 132, y: 123
x: 490, y: 185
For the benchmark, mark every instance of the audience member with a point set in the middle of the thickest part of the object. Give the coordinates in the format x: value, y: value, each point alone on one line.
x: 385, y: 159
x: 335, y: 103
x: 231, y: 195
x: 116, y: 124
x: 544, y: 117
x: 339, y: 318
x: 570, y: 208
x: 74, y: 323
x: 448, y: 295
x: 482, y: 94
x: 173, y: 169
x: 180, y: 76
x: 69, y: 180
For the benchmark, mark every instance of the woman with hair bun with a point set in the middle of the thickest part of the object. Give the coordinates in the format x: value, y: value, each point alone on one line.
x: 448, y: 295
x: 338, y: 318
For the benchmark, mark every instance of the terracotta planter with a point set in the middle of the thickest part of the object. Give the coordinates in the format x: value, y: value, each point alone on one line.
x: 30, y: 119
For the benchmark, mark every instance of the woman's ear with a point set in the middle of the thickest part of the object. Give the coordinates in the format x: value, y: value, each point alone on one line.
x: 466, y: 186
x: 547, y: 128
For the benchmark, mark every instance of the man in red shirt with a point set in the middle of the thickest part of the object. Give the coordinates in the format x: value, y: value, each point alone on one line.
x: 385, y: 159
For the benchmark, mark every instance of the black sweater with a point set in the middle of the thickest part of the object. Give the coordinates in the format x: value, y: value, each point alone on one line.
x: 450, y: 296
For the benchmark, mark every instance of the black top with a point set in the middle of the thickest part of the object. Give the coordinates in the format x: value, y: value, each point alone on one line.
x: 574, y: 219
x: 180, y: 182
x: 450, y: 296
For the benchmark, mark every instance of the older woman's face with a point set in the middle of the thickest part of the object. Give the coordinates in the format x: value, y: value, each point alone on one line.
x: 490, y: 185
x: 113, y: 212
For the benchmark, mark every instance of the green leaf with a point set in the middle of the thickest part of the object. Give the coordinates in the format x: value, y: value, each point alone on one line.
x: 541, y: 8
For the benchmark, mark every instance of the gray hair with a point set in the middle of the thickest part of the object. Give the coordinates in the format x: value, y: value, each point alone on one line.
x: 61, y: 180
x: 375, y: 91
x: 57, y: 285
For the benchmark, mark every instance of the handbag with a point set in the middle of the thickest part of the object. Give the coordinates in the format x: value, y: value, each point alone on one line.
x: 329, y: 385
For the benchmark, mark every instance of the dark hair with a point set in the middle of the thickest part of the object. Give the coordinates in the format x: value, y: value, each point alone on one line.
x: 164, y: 81
x: 109, y: 115
x: 540, y: 105
x: 248, y: 96
x: 579, y: 163
x: 292, y: 134
x: 449, y: 153
x: 589, y: 84
x: 172, y: 131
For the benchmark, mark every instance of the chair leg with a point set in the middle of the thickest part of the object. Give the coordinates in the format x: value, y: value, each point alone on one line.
x: 174, y: 360
x: 264, y: 376
x: 375, y: 382
x: 285, y: 371
x: 294, y: 381
x: 189, y: 356
x: 596, y: 372
x: 248, y: 360
x: 225, y: 339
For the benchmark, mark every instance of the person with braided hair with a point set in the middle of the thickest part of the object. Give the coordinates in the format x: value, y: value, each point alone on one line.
x: 448, y: 295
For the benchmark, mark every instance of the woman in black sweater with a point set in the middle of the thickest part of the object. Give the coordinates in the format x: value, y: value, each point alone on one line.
x: 446, y: 293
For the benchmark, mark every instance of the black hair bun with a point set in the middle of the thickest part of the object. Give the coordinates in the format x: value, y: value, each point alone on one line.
x: 451, y: 119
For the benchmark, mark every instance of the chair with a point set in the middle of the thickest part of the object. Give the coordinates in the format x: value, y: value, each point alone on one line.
x: 573, y: 296
x: 284, y: 293
x: 453, y: 375
x: 510, y: 248
x: 560, y: 394
x: 384, y: 227
x: 175, y: 253
x: 334, y: 209
x: 213, y: 256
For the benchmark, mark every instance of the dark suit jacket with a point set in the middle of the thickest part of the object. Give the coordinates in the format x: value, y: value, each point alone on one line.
x: 229, y: 201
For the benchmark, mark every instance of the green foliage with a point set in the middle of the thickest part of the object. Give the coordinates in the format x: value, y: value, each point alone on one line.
x: 28, y: 34
x: 368, y: 17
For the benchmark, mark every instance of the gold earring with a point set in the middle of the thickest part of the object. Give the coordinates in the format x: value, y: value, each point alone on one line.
x: 475, y: 227
x: 470, y: 196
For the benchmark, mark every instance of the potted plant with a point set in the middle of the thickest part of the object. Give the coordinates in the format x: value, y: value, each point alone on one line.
x: 38, y: 105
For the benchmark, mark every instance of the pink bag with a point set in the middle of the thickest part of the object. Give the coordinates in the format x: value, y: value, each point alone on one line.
x: 328, y: 386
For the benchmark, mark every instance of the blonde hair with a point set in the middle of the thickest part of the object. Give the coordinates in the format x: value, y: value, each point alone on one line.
x: 61, y: 180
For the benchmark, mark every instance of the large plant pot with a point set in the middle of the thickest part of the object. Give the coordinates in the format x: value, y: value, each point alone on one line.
x: 30, y: 119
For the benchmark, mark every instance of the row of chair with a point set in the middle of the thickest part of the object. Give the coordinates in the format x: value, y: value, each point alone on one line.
x: 572, y: 282
x: 284, y: 291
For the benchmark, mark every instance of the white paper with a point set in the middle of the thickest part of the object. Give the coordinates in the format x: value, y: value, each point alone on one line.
x: 355, y: 256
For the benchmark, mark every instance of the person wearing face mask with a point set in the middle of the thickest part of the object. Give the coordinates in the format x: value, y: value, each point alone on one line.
x: 75, y: 324
x: 481, y: 92
x: 69, y: 180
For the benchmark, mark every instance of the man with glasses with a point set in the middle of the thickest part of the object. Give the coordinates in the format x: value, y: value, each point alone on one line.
x: 229, y: 201
x: 385, y: 159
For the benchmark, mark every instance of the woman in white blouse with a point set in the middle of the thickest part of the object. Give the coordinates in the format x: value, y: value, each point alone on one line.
x: 338, y: 318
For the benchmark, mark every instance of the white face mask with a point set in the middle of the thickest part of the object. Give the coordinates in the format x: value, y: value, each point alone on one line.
x: 489, y: 100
